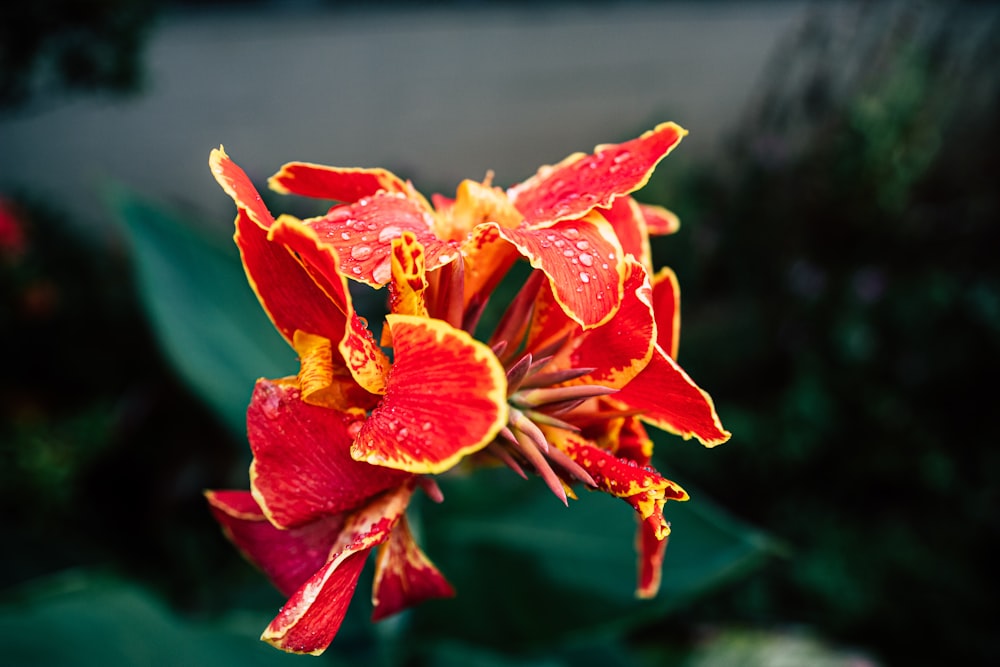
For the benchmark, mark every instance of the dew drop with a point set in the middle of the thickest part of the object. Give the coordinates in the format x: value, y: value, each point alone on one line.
x: 403, y: 432
x: 621, y: 157
x: 604, y: 266
x: 584, y: 277
x: 586, y: 259
x: 389, y: 233
x: 572, y: 233
x: 426, y: 426
x: 345, y: 236
x: 568, y: 253
x: 560, y: 243
x: 582, y: 245
x: 361, y: 252
x: 356, y: 270
x: 383, y: 271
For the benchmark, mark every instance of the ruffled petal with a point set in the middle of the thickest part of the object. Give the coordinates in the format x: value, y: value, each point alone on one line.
x: 286, y: 290
x: 288, y: 557
x: 666, y: 307
x: 404, y: 576
x: 358, y: 350
x: 670, y: 400
x: 650, y: 550
x: 302, y: 468
x: 627, y: 220
x: 621, y: 348
x: 334, y: 183
x: 659, y: 221
x: 308, y: 622
x: 362, y: 233
x: 238, y: 186
x: 583, y: 261
x: 446, y: 398
x: 582, y: 182
x: 409, y: 279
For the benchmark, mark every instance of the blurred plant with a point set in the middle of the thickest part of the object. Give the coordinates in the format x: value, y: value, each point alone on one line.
x: 51, y: 47
x: 847, y: 309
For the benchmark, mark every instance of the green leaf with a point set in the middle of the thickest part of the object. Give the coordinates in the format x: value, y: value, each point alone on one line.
x: 80, y: 618
x: 530, y: 571
x: 205, y: 315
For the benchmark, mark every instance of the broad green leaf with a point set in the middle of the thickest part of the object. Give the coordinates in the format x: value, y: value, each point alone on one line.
x: 530, y: 571
x: 78, y: 618
x: 204, y: 313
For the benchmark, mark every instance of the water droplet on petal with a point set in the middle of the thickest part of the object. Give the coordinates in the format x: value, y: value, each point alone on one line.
x: 621, y: 157
x: 345, y: 236
x: 389, y: 233
x: 582, y: 245
x: 586, y: 259
x: 572, y: 233
x: 584, y: 277
x: 568, y: 253
x: 356, y: 270
x: 361, y: 252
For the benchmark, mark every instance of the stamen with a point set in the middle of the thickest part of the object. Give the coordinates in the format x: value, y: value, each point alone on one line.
x: 549, y: 420
x: 538, y: 397
x: 542, y: 467
x: 517, y: 373
x: 497, y: 450
x: 520, y: 423
x: 431, y: 488
x: 555, y: 377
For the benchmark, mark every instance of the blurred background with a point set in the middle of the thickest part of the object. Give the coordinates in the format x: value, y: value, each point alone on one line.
x: 839, y: 201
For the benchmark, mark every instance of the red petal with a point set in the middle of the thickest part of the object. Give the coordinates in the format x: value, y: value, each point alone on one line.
x: 651, y: 550
x: 302, y: 468
x: 362, y: 356
x: 622, y: 478
x: 288, y: 557
x: 670, y: 400
x: 238, y: 186
x: 362, y: 234
x: 446, y: 398
x: 288, y: 293
x: 404, y: 576
x: 583, y: 261
x: 659, y: 221
x: 308, y: 622
x: 621, y: 348
x: 336, y: 183
x: 582, y: 182
x: 666, y: 307
x: 626, y: 218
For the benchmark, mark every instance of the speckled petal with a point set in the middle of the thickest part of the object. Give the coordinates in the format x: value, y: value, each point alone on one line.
x: 582, y: 182
x: 583, y: 261
x: 404, y: 576
x: 447, y: 397
x: 302, y: 468
x: 237, y: 185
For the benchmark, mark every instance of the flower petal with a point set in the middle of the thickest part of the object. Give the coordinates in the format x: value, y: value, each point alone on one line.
x: 670, y: 400
x: 446, y: 398
x: 367, y: 363
x: 308, y: 622
x: 659, y: 221
x: 335, y: 183
x: 302, y: 468
x: 404, y: 576
x: 666, y: 307
x: 621, y: 348
x: 627, y: 220
x: 286, y: 290
x: 582, y: 182
x: 409, y: 280
x: 650, y: 550
x: 288, y: 557
x: 362, y: 233
x: 583, y: 261
x: 238, y: 186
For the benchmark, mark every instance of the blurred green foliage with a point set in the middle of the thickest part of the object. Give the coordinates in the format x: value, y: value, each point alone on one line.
x: 52, y: 47
x: 842, y: 301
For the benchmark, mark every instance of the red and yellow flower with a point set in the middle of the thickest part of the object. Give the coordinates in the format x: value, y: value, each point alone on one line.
x: 582, y: 357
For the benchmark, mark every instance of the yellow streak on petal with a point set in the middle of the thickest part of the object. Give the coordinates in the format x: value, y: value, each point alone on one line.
x: 408, y: 277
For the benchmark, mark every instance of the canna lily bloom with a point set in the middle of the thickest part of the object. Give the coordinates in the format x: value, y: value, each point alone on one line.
x: 552, y: 220
x: 339, y: 449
